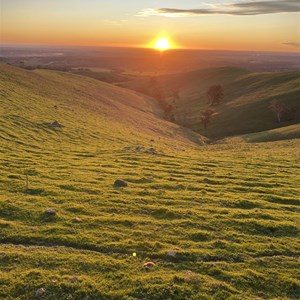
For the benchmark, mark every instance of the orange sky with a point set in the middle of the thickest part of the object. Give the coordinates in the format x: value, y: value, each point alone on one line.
x: 135, y: 23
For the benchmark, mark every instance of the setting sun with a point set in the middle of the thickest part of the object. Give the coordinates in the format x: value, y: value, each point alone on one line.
x: 162, y: 44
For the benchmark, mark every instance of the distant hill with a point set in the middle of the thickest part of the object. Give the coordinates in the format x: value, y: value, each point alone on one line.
x: 86, y: 108
x: 245, y: 108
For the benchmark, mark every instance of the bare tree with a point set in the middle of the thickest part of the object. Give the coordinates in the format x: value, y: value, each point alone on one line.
x: 206, y: 117
x: 279, y: 109
x: 176, y: 94
x: 215, y: 94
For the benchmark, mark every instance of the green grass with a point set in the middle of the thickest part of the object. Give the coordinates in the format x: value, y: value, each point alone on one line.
x: 230, y: 211
x: 282, y: 133
x: 245, y: 108
x: 107, y: 76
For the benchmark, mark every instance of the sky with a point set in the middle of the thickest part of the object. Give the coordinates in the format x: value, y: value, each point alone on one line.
x: 262, y: 25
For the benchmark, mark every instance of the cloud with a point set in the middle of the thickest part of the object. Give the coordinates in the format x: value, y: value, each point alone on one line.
x: 237, y: 9
x: 292, y: 44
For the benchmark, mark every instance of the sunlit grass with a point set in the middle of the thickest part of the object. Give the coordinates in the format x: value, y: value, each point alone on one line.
x: 230, y: 212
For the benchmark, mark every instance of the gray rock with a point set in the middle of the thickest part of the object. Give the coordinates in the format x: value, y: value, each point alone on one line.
x: 120, y: 183
x: 151, y: 150
x: 171, y: 253
x: 55, y: 124
x: 50, y: 212
x: 74, y: 279
x: 149, y: 265
x: 139, y: 148
x: 40, y: 292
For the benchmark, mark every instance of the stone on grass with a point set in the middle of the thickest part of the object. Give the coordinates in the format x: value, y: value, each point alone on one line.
x: 74, y: 279
x: 50, y: 212
x: 55, y: 124
x: 77, y: 219
x: 149, y: 265
x: 120, y: 183
x: 151, y: 150
x: 171, y: 253
x: 40, y: 292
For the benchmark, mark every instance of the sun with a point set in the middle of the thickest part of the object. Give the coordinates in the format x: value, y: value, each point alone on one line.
x: 162, y: 44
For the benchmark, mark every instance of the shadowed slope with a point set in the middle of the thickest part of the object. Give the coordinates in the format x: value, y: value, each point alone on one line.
x: 245, y: 108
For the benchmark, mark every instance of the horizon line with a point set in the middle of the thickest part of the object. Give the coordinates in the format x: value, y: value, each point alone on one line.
x: 138, y: 47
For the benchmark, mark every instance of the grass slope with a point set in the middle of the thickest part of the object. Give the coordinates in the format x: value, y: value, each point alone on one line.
x: 245, y: 108
x: 230, y: 212
x: 87, y: 108
x: 282, y: 133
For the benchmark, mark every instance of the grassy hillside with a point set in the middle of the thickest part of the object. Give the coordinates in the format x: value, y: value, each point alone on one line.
x: 218, y: 221
x: 109, y: 76
x: 282, y: 133
x: 88, y: 109
x: 245, y: 108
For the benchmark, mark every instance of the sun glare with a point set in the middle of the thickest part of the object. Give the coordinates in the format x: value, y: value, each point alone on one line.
x: 162, y: 44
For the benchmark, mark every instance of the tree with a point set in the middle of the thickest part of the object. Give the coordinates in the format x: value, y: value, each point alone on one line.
x: 279, y: 109
x: 159, y: 94
x: 206, y: 117
x: 175, y: 94
x: 215, y: 94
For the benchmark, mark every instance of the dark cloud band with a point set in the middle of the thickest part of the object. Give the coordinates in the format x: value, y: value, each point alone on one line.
x: 239, y: 9
x: 292, y: 44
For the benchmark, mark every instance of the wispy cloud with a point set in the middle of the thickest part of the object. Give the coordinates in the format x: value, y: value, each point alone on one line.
x: 292, y: 44
x: 238, y: 9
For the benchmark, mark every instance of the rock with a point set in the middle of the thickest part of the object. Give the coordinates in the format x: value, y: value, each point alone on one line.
x: 151, y: 150
x: 74, y: 279
x: 120, y: 183
x: 171, y: 253
x: 50, y: 212
x: 40, y: 292
x: 77, y: 219
x: 149, y: 265
x: 55, y: 124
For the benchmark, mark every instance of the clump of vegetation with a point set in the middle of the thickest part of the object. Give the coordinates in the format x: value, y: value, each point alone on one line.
x: 206, y: 117
x: 215, y: 94
x: 158, y: 93
x: 279, y: 109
